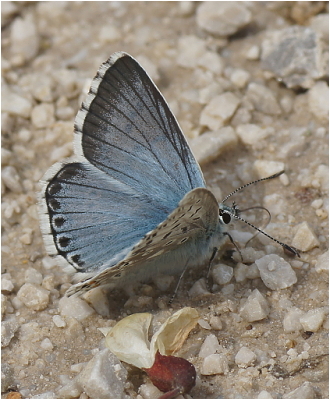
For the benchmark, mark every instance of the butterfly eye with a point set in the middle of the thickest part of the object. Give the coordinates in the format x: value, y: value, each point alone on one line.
x: 225, y: 217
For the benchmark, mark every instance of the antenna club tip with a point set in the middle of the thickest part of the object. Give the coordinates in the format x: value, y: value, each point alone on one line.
x: 291, y: 250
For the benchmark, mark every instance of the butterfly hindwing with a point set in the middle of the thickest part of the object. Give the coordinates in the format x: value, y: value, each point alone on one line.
x: 196, y: 218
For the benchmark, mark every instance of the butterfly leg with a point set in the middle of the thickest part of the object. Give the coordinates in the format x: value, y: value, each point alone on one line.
x: 214, y: 253
x: 232, y: 241
x: 178, y: 284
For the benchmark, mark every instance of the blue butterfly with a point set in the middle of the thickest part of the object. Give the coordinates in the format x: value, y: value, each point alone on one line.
x: 132, y: 203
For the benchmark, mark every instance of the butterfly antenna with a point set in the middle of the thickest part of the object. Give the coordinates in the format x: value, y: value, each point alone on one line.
x: 290, y: 249
x: 252, y: 183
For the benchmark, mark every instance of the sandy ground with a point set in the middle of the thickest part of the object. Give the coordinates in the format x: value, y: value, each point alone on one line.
x: 70, y: 41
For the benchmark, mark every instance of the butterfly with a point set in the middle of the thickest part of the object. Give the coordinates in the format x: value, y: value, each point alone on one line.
x: 132, y: 203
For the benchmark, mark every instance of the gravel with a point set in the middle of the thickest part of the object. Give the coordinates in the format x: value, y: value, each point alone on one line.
x: 247, y: 83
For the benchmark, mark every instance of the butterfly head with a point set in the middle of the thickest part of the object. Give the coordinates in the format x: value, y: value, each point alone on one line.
x: 226, y: 213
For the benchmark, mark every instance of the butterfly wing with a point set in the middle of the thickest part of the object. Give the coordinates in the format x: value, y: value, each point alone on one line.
x: 126, y: 129
x: 133, y: 167
x: 188, y: 234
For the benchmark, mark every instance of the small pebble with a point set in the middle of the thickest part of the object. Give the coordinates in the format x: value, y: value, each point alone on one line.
x: 318, y: 100
x: 209, y: 346
x: 255, y: 307
x: 253, y: 53
x: 59, y: 321
x: 33, y: 296
x: 304, y: 238
x: 75, y: 307
x: 291, y: 320
x: 263, y: 99
x: 46, y: 345
x: 219, y: 110
x: 11, y: 179
x: 43, y: 115
x: 222, y: 274
x: 210, y: 145
x: 33, y: 276
x: 199, y: 288
x: 252, y: 134
x: 305, y: 391
x: 100, y: 379
x: 275, y: 272
x: 245, y: 357
x: 223, y: 18
x: 313, y: 319
x: 215, y: 364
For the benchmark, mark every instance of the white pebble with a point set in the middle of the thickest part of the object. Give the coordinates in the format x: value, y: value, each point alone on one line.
x: 100, y: 380
x: 190, y: 49
x: 263, y: 99
x: 59, y: 321
x: 253, y: 53
x: 228, y: 290
x: 8, y: 330
x: 275, y: 204
x: 318, y: 101
x: 11, y: 179
x: 49, y: 262
x: 216, y: 323
x: 241, y: 272
x: 15, y: 104
x: 318, y: 203
x: 199, y: 288
x: 305, y: 391
x: 222, y: 274
x: 46, y: 344
x: 149, y: 391
x: 71, y: 390
x: 322, y: 263
x: 291, y: 320
x: 43, y: 115
x: 6, y: 155
x: 210, y: 145
x: 33, y: 296
x: 209, y: 346
x: 286, y: 103
x: 223, y: 18
x: 219, y: 110
x: 26, y: 238
x: 313, y: 319
x: 240, y: 78
x: 304, y: 238
x: 267, y: 168
x: 204, y: 324
x: 33, y: 276
x: 322, y: 174
x: 212, y: 62
x: 275, y: 272
x: 4, y: 303
x: 75, y: 307
x: 108, y: 33
x: 215, y: 364
x: 24, y: 40
x: 264, y: 395
x: 252, y: 134
x: 245, y: 357
x: 255, y: 308
x: 7, y: 285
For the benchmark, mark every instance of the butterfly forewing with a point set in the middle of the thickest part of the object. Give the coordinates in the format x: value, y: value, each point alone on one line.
x: 130, y: 133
